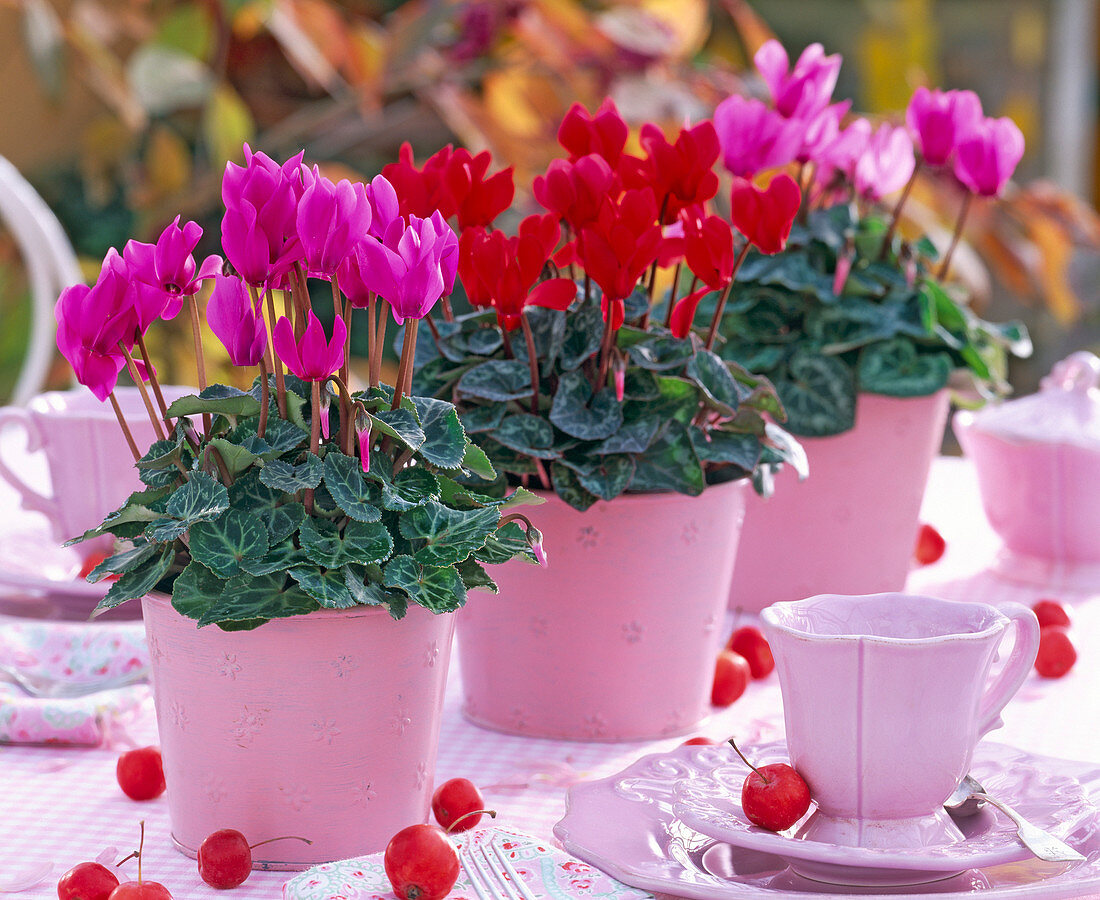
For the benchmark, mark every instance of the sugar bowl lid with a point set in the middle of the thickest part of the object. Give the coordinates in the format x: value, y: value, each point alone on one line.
x: 1065, y: 409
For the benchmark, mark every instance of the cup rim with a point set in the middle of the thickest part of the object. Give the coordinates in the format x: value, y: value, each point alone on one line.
x: 771, y: 617
x: 42, y: 404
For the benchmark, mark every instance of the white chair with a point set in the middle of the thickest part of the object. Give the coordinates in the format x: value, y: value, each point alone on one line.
x: 51, y: 265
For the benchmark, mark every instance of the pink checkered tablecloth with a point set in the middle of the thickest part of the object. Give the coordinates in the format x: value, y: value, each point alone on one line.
x: 60, y: 806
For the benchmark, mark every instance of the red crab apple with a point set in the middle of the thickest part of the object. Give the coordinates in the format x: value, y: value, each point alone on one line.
x: 750, y: 643
x: 87, y: 881
x: 1050, y: 612
x: 454, y: 800
x: 421, y: 862
x: 930, y: 546
x: 225, y: 857
x: 140, y: 773
x: 697, y: 742
x: 1056, y: 654
x: 140, y: 890
x: 731, y: 676
x: 773, y: 796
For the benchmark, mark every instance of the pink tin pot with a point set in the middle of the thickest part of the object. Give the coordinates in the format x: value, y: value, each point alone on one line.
x: 323, y: 726
x: 1038, y: 465
x: 616, y: 639
x: 850, y: 527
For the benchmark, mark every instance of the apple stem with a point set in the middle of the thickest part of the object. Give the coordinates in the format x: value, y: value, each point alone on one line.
x: 289, y: 837
x: 141, y: 849
x: 763, y: 777
x: 126, y: 859
x: 491, y: 813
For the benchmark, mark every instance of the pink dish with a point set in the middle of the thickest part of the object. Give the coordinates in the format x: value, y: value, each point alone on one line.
x: 626, y: 826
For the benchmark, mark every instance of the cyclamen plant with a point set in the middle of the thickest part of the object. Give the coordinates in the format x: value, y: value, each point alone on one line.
x: 563, y: 374
x: 277, y: 503
x: 851, y: 305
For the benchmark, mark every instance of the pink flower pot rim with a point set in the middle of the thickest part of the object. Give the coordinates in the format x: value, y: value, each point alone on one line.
x: 317, y: 615
x: 786, y: 616
x: 638, y: 497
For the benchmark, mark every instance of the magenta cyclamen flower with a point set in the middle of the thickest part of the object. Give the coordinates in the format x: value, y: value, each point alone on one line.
x: 986, y: 159
x: 886, y: 164
x: 313, y: 358
x: 939, y: 120
x: 93, y: 321
x: 238, y: 324
x: 413, y: 266
x: 755, y: 138
x: 804, y: 91
x: 385, y: 207
x: 842, y: 153
x: 822, y: 130
x: 259, y: 229
x: 331, y: 220
x: 169, y: 265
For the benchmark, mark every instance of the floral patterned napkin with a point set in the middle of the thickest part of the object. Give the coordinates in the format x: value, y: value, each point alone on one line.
x: 72, y: 652
x: 549, y: 873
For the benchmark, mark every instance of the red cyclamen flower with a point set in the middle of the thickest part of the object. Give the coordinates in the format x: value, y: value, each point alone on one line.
x: 422, y: 191
x: 313, y: 358
x: 603, y: 134
x: 499, y: 271
x: 708, y: 250
x: 575, y: 191
x: 681, y: 173
x: 765, y: 217
x: 477, y: 200
x: 619, y: 246
x: 236, y: 321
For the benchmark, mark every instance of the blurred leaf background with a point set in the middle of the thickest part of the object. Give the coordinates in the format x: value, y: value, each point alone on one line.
x: 123, y: 112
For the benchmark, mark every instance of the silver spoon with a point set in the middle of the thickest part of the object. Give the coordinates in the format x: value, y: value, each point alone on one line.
x: 970, y: 796
x: 45, y: 686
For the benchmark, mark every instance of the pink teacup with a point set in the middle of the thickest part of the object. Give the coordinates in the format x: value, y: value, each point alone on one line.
x: 90, y: 465
x: 885, y: 697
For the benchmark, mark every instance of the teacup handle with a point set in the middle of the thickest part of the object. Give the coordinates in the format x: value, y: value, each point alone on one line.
x: 1016, y: 668
x: 30, y: 498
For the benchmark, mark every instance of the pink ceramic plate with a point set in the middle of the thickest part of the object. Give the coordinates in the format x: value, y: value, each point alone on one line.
x: 708, y: 799
x: 626, y: 826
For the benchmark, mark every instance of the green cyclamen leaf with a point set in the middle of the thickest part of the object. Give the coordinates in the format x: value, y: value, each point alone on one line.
x: 412, y: 487
x: 670, y: 464
x: 222, y: 544
x: 350, y: 489
x: 327, y: 588
x: 713, y: 376
x: 202, y: 498
x: 605, y: 476
x: 400, y: 424
x: 499, y: 379
x: 252, y: 599
x: 195, y: 590
x: 819, y: 395
x: 283, y: 476
x: 504, y: 544
x: 569, y: 488
x: 139, y: 581
x: 576, y: 412
x: 218, y: 398
x: 371, y: 593
x: 123, y: 561
x: 444, y: 438
x: 284, y: 521
x: 896, y: 368
x: 450, y: 535
x: 439, y: 589
x: 528, y: 434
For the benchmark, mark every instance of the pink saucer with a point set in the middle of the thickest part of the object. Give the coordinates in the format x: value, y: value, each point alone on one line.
x: 40, y: 579
x: 626, y: 826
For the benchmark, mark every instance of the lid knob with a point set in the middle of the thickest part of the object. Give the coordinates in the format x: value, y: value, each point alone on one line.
x: 1079, y: 371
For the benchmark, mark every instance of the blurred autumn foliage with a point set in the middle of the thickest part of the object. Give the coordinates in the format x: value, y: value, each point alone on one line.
x: 181, y: 84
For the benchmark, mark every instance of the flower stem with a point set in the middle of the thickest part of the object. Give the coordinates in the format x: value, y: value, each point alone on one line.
x: 302, y: 303
x: 125, y: 428
x: 945, y: 268
x: 265, y: 398
x: 721, y: 308
x: 408, y: 351
x: 154, y: 382
x: 280, y: 384
x: 380, y: 341
x: 200, y: 359
x: 605, y: 347
x: 372, y: 336
x: 140, y: 382
x: 532, y: 362
x: 888, y: 238
x: 314, y: 432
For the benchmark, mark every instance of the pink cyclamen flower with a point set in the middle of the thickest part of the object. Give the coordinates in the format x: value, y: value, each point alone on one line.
x: 987, y: 157
x: 886, y: 164
x: 169, y: 265
x: 822, y: 130
x: 362, y: 432
x: 805, y: 90
x: 237, y: 322
x: 259, y: 229
x: 755, y: 138
x: 534, y: 541
x: 939, y: 120
x: 413, y: 266
x: 331, y: 219
x: 839, y: 156
x: 313, y: 358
